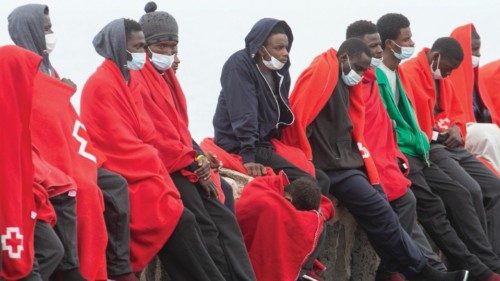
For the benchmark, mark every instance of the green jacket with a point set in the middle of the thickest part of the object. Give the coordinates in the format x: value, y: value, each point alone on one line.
x: 411, y: 139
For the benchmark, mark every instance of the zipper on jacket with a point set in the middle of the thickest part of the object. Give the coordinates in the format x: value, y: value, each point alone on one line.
x: 275, y: 99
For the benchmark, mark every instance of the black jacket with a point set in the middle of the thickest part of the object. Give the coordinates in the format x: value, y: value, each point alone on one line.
x: 248, y: 113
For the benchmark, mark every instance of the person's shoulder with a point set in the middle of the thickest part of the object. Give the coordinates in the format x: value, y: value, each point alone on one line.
x: 239, y: 59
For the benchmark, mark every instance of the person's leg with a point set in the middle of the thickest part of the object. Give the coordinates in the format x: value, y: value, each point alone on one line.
x: 447, y: 162
x: 490, y: 188
x: 406, y: 209
x: 65, y: 208
x: 308, y: 265
x: 433, y: 216
x: 268, y: 157
x: 374, y: 214
x: 185, y: 256
x: 116, y: 214
x: 48, y: 252
x: 219, y: 229
x: 462, y: 212
x: 228, y: 194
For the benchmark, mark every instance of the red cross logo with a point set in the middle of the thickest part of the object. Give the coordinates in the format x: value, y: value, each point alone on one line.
x: 12, y: 242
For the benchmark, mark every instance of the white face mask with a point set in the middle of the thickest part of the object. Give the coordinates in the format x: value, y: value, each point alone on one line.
x: 475, y: 61
x: 50, y: 42
x: 406, y: 52
x: 137, y: 62
x: 352, y: 78
x: 274, y: 63
x: 162, y: 62
x: 376, y: 62
x: 436, y: 74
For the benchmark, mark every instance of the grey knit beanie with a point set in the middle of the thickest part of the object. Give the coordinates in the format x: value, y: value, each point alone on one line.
x: 158, y: 26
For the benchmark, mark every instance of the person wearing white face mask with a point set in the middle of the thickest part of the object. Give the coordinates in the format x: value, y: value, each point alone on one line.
x: 425, y: 176
x: 327, y: 93
x: 253, y: 107
x: 478, y: 101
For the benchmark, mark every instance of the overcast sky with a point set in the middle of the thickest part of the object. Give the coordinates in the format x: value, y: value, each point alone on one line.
x: 210, y: 31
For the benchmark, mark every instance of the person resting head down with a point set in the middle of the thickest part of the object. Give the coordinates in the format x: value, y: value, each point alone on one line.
x: 282, y: 225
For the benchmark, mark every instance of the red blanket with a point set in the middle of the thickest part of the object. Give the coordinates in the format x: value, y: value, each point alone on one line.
x: 490, y: 75
x: 313, y: 89
x: 49, y: 181
x: 419, y: 83
x: 63, y: 142
x: 381, y: 140
x: 165, y: 104
x: 122, y: 130
x: 464, y: 77
x: 278, y: 237
x: 17, y: 207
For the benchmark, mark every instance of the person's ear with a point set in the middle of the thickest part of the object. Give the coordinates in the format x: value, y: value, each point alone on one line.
x: 389, y: 44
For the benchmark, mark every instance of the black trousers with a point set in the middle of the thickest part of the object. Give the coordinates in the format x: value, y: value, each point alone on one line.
x: 49, y: 252
x: 369, y: 206
x: 228, y: 193
x: 185, y: 256
x: 65, y: 208
x: 406, y: 209
x: 117, y: 217
x: 220, y: 231
x: 443, y: 202
x: 268, y: 157
x: 482, y: 184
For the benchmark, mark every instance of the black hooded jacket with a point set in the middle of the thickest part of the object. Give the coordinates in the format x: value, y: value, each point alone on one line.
x: 248, y: 114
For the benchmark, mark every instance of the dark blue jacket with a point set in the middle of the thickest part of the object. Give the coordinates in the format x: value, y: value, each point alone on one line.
x: 248, y: 113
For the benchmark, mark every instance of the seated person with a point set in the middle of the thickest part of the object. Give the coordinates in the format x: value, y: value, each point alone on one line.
x: 271, y: 209
x: 327, y: 93
x: 482, y: 118
x: 441, y: 118
x: 253, y: 104
x: 121, y: 128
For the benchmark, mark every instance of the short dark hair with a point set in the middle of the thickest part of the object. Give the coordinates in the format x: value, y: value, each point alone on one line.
x: 353, y: 47
x: 305, y: 194
x: 360, y: 28
x: 131, y: 26
x: 390, y: 25
x: 449, y: 48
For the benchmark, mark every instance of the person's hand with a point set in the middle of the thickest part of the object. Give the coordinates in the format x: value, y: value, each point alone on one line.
x: 69, y: 83
x: 203, y: 172
x: 208, y: 188
x: 214, y: 162
x: 454, y: 138
x: 255, y: 169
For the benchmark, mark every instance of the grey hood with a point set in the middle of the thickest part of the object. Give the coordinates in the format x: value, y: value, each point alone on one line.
x: 111, y: 43
x: 26, y: 31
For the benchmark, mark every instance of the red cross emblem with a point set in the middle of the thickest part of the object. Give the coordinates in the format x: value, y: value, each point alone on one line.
x: 12, y: 242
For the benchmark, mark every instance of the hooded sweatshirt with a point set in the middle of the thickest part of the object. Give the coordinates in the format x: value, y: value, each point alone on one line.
x: 26, y: 30
x: 249, y: 113
x: 17, y: 207
x: 122, y: 130
x: 467, y: 81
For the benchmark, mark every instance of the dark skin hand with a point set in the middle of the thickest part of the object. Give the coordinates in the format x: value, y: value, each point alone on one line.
x: 203, y: 172
x: 208, y: 188
x: 214, y: 162
x: 454, y: 138
x: 255, y: 169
